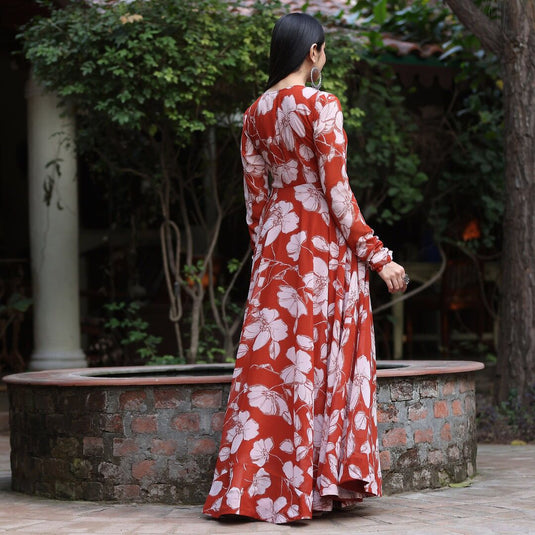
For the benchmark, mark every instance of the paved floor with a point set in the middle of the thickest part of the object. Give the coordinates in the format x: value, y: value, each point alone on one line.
x: 500, y: 500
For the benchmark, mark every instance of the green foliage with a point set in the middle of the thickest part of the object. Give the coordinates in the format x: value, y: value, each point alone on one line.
x: 192, y: 272
x: 16, y: 303
x: 210, y: 349
x: 473, y: 184
x: 166, y: 360
x: 149, y: 81
x: 511, y: 421
x: 132, y: 330
x: 471, y: 187
x: 384, y: 167
x: 233, y: 265
x: 467, y: 182
x: 143, y: 64
x: 421, y: 21
x: 137, y: 71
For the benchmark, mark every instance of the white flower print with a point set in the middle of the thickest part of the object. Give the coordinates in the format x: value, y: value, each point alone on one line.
x: 330, y: 119
x: 317, y: 283
x: 301, y: 452
x: 319, y: 381
x: 290, y: 299
x: 289, y: 122
x: 274, y: 350
x: 268, y: 326
x: 362, y: 246
x: 364, y: 286
x: 328, y: 429
x: 265, y: 104
x: 334, y: 371
x: 309, y: 92
x: 354, y: 471
x: 305, y: 342
x: 311, y: 197
x: 216, y: 488
x: 269, y: 510
x: 284, y: 173
x: 244, y: 428
x: 301, y: 413
x: 287, y: 446
x: 293, y: 474
x: 306, y: 152
x: 342, y: 206
x: 320, y: 243
x: 334, y: 250
x: 261, y: 482
x: 311, y: 177
x: 234, y: 497
x: 224, y: 453
x: 365, y: 448
x: 296, y: 374
x: 281, y: 218
x: 301, y: 364
x: 352, y: 295
x: 293, y: 511
x: 253, y: 163
x: 361, y: 383
x: 380, y: 257
x: 260, y: 451
x: 319, y: 422
x: 333, y: 464
x: 361, y: 420
x: 293, y: 247
x: 268, y: 401
x: 242, y: 350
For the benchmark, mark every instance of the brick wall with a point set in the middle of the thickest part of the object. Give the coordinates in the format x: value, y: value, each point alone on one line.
x: 158, y: 443
x: 427, y: 434
x: 149, y: 444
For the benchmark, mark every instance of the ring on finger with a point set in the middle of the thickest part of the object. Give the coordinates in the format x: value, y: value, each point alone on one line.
x: 406, y: 279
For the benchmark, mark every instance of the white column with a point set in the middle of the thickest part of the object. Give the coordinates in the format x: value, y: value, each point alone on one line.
x: 53, y: 233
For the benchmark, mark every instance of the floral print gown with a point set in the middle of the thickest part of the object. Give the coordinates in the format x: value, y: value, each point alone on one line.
x: 300, y: 430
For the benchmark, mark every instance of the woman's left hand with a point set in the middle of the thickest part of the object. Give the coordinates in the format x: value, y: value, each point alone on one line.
x: 394, y: 276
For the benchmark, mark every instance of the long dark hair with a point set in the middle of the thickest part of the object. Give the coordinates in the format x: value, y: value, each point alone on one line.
x: 292, y: 37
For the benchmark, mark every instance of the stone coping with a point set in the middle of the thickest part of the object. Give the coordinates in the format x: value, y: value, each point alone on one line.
x: 210, y: 373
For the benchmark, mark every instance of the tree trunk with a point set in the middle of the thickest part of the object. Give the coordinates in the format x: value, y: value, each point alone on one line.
x: 513, y: 41
x: 195, y: 329
x: 516, y: 362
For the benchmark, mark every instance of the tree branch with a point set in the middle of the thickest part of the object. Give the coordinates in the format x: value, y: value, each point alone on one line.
x: 485, y: 29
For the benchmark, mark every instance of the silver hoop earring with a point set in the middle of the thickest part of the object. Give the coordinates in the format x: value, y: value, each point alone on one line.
x: 315, y: 73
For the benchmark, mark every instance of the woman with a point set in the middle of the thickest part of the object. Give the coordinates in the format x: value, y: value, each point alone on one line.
x: 300, y: 431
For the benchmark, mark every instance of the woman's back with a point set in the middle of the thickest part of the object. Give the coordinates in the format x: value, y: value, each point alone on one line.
x: 282, y: 126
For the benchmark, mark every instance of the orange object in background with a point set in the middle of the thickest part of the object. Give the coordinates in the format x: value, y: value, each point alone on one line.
x: 472, y: 231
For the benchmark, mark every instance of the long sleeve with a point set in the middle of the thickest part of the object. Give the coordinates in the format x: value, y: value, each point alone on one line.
x: 255, y: 182
x: 330, y: 141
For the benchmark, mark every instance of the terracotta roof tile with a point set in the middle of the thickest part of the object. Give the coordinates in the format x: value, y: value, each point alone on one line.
x: 342, y: 14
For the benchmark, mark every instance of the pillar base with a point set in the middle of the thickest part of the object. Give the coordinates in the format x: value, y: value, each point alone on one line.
x: 56, y: 360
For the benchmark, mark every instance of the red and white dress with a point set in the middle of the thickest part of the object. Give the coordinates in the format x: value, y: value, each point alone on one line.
x: 300, y: 430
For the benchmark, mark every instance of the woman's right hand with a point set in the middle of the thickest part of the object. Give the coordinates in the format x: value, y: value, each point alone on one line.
x: 393, y: 274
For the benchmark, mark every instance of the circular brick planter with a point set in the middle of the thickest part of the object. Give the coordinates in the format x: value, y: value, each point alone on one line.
x: 151, y: 434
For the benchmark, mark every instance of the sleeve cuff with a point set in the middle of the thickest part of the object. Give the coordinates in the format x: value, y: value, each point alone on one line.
x: 380, y: 259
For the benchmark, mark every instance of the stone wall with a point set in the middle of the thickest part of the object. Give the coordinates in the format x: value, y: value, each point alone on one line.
x: 427, y: 434
x: 147, y: 444
x: 159, y: 443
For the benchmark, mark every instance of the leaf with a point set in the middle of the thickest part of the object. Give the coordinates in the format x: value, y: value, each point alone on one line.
x: 19, y: 303
x: 380, y: 11
x: 462, y: 484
